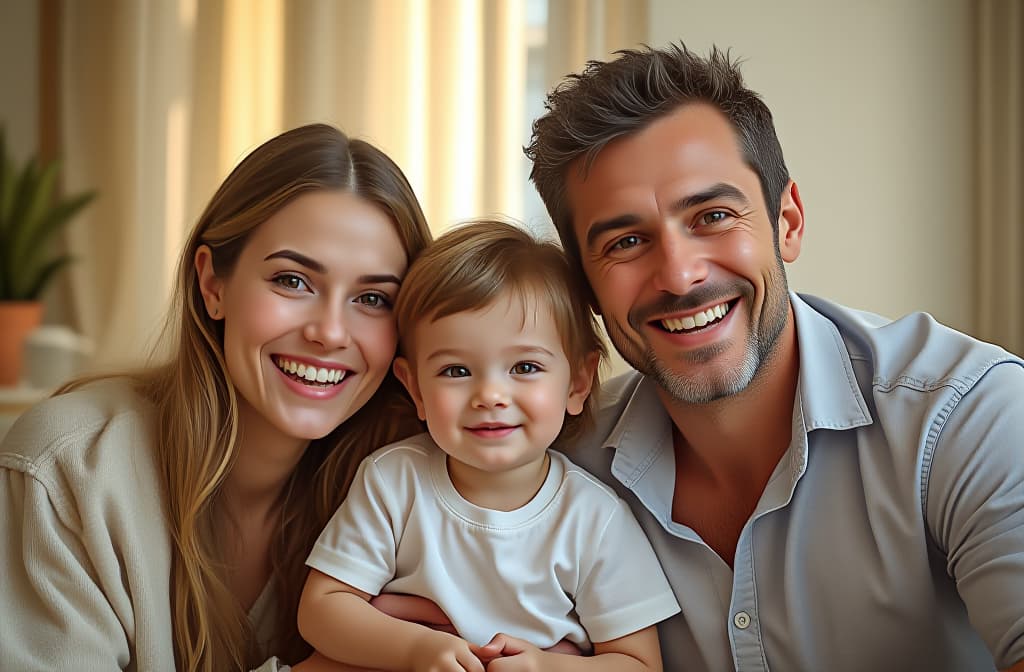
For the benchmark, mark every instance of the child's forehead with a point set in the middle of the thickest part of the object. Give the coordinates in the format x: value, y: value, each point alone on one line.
x: 519, y: 303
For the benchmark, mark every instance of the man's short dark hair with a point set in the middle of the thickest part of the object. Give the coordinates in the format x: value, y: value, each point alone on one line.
x: 612, y: 99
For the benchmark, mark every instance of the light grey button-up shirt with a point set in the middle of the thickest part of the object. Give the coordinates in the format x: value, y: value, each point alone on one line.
x: 891, y: 535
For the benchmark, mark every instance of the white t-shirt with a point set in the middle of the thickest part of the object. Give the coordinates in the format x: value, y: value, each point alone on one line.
x: 570, y: 564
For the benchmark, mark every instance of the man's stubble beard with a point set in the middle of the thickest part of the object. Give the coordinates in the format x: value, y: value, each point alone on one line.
x: 697, y: 389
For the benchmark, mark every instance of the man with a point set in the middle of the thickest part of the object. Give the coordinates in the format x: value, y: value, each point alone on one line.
x: 826, y: 490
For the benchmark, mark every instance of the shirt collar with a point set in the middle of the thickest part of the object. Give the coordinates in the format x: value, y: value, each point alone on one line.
x: 642, y: 431
x: 829, y: 395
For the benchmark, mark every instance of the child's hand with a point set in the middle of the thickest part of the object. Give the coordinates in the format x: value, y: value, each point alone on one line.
x: 436, y: 651
x: 508, y: 654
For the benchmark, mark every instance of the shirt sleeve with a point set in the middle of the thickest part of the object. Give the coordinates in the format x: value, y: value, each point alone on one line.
x: 975, y: 507
x: 359, y: 544
x: 56, y: 614
x: 625, y: 589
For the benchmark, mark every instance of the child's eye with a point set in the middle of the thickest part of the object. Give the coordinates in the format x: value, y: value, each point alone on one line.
x: 455, y: 371
x: 525, y: 368
x: 373, y: 300
x: 292, y: 282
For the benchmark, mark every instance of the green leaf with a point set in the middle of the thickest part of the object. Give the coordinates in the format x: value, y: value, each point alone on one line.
x: 31, y: 244
x: 6, y: 181
x: 29, y: 218
x: 35, y: 285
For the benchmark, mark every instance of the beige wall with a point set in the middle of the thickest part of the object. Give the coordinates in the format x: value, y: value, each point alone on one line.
x: 871, y: 100
x: 19, y: 85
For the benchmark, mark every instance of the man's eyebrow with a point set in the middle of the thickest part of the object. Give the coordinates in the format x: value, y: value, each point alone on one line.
x: 311, y: 264
x: 598, y: 229
x: 714, y: 192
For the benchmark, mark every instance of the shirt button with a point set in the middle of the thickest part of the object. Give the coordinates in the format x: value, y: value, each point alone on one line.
x: 741, y: 620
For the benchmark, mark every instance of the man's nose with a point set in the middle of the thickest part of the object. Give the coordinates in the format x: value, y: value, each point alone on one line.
x: 682, y: 263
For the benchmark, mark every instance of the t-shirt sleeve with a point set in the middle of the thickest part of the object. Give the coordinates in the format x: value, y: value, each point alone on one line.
x: 624, y: 590
x: 975, y: 507
x: 56, y: 614
x: 359, y: 546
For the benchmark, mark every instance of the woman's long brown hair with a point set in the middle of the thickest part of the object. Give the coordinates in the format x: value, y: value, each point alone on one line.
x: 197, y: 404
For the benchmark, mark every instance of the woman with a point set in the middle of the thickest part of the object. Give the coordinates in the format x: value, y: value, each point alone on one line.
x: 161, y: 520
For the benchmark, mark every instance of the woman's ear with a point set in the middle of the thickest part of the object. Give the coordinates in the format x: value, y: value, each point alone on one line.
x: 404, y: 372
x: 580, y: 384
x: 210, y: 286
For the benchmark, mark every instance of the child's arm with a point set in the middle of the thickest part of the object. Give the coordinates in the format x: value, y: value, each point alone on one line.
x: 636, y: 652
x: 339, y: 622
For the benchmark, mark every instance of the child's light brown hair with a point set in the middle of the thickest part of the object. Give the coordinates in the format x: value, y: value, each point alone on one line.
x: 471, y: 266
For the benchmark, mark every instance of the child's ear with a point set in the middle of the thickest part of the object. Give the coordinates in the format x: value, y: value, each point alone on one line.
x: 403, y: 371
x: 582, y: 381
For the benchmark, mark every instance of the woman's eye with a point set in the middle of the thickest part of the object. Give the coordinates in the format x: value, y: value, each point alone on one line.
x: 373, y: 300
x: 626, y: 242
x: 293, y: 282
x: 455, y: 371
x: 524, y: 368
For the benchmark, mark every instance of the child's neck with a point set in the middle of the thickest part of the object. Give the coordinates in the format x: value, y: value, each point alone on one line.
x: 499, y: 491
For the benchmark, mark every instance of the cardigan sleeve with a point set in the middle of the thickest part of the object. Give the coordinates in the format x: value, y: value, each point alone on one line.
x: 57, y: 613
x: 84, y: 546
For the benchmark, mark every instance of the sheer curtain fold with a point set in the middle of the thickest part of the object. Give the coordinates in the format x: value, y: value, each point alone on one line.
x: 124, y: 68
x: 160, y: 98
x: 999, y: 40
x: 583, y: 30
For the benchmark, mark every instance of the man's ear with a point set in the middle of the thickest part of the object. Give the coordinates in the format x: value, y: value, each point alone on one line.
x: 581, y: 383
x: 210, y: 286
x: 404, y: 372
x: 791, y: 223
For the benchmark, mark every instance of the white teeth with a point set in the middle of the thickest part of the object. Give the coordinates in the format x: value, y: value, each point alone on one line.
x: 700, y: 319
x: 310, y: 373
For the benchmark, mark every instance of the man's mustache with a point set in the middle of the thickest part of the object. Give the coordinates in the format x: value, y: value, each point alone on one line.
x: 702, y: 295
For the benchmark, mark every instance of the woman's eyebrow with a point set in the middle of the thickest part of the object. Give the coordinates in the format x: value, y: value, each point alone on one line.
x: 311, y: 264
x: 378, y: 279
x: 317, y: 267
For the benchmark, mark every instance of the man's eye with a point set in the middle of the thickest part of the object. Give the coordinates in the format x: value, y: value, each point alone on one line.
x: 713, y: 217
x: 455, y: 371
x: 524, y: 368
x: 290, y: 281
x: 626, y: 242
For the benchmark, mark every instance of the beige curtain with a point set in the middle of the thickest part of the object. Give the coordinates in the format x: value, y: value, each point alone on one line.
x: 999, y: 55
x: 160, y: 98
x: 583, y: 30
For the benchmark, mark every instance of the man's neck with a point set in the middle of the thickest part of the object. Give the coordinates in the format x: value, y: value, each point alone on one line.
x: 739, y: 440
x: 726, y: 451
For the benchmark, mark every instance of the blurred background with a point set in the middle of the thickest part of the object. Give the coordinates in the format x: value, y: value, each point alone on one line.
x: 901, y: 121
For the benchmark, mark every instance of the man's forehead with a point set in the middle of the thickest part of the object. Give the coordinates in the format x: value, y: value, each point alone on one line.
x: 695, y: 143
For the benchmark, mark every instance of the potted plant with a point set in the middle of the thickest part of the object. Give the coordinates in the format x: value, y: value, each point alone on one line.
x: 30, y: 215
